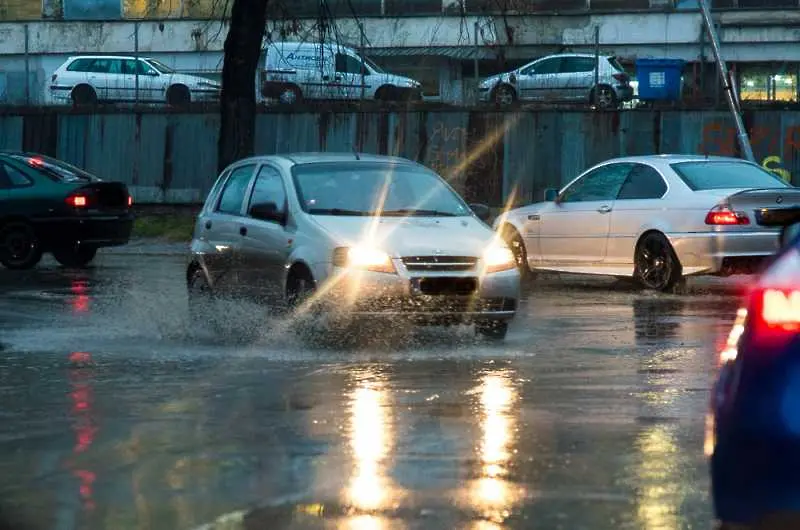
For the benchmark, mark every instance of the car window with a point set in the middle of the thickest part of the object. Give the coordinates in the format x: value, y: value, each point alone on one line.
x: 571, y: 65
x: 269, y: 188
x: 115, y: 67
x: 716, y: 175
x: 55, y: 170
x: 347, y: 64
x: 100, y: 66
x: 601, y: 184
x: 11, y: 177
x: 234, y: 192
x: 643, y: 182
x: 80, y: 65
x: 545, y: 66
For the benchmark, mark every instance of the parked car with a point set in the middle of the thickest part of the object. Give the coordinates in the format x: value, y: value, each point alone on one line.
x: 47, y: 205
x: 305, y: 70
x: 85, y: 80
x: 561, y: 78
x: 654, y: 218
x: 753, y: 428
x: 355, y: 236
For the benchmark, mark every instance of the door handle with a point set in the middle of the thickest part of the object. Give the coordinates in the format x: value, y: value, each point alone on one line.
x: 243, y: 230
x: 604, y: 209
x: 208, y: 225
x: 533, y: 217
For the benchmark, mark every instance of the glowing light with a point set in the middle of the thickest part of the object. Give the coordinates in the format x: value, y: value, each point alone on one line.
x: 731, y: 349
x: 781, y: 308
x: 369, y: 440
x: 498, y: 257
x: 709, y: 440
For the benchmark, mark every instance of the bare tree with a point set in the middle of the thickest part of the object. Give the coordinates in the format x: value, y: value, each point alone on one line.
x: 238, y: 100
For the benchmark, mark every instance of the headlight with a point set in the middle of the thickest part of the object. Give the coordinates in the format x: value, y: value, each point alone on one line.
x: 498, y: 258
x: 365, y: 258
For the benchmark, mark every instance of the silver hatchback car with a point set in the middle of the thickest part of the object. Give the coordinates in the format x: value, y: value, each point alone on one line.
x: 352, y: 235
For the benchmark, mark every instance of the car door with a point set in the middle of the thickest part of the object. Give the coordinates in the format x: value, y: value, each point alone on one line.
x: 265, y: 244
x: 538, y: 81
x: 576, y: 77
x: 346, y: 83
x: 640, y: 202
x: 221, y: 228
x: 98, y: 76
x: 574, y: 228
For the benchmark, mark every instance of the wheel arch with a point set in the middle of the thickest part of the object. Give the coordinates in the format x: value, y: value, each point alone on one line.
x: 298, y: 266
x: 662, y: 233
x: 83, y: 85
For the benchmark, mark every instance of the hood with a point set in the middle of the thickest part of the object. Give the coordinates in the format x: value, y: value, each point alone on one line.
x: 413, y: 236
x: 194, y: 81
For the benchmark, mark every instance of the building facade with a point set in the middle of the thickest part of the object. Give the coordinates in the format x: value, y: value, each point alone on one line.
x: 438, y: 42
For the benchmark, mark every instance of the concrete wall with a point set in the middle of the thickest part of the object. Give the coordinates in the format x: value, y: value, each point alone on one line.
x: 171, y: 158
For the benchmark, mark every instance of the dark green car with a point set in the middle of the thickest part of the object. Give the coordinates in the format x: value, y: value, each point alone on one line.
x: 47, y: 205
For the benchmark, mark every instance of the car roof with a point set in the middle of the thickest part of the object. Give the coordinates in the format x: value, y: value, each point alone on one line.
x: 107, y: 56
x: 320, y: 157
x: 674, y: 158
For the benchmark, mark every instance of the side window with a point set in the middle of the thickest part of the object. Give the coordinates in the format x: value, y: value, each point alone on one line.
x: 546, y: 66
x: 347, y: 64
x: 11, y: 177
x: 571, y: 65
x: 235, y: 188
x: 643, y: 182
x: 115, y: 67
x: 100, y: 66
x: 602, y: 184
x: 269, y: 188
x: 146, y: 69
x: 80, y: 65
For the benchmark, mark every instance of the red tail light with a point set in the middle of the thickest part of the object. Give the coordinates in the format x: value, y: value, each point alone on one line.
x: 130, y: 201
x: 780, y: 309
x: 78, y: 201
x: 722, y: 215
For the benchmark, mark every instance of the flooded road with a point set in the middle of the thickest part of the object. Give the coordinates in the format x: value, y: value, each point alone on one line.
x: 119, y: 413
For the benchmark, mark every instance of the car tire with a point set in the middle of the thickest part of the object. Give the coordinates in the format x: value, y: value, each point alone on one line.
x: 84, y: 95
x: 178, y: 96
x: 290, y: 95
x: 656, y: 267
x: 517, y: 245
x: 604, y: 97
x: 300, y: 286
x: 492, y: 329
x: 76, y: 256
x: 19, y: 246
x: 504, y: 95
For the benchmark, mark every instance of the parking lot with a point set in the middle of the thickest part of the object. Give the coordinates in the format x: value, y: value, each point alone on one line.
x: 119, y: 413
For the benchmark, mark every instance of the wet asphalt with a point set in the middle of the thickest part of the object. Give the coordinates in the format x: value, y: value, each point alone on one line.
x: 119, y: 413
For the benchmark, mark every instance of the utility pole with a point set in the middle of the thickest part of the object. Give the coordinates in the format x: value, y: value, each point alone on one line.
x: 724, y: 76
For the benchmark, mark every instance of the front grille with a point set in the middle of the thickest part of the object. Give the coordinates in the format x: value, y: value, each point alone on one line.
x: 439, y: 263
x: 435, y: 304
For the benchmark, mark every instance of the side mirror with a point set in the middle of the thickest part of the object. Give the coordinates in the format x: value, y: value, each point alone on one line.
x: 789, y: 233
x: 267, y: 211
x: 550, y: 195
x: 482, y: 211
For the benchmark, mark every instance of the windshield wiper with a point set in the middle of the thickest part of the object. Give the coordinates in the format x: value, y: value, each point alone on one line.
x: 417, y: 212
x: 338, y: 211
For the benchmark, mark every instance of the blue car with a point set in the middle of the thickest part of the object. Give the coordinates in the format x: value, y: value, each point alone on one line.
x: 753, y: 429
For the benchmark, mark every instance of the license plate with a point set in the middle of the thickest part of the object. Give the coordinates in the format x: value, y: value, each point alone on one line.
x: 444, y: 286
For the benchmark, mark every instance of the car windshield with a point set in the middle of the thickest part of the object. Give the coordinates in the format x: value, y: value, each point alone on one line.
x: 715, y: 175
x: 370, y: 189
x: 161, y: 67
x: 56, y: 170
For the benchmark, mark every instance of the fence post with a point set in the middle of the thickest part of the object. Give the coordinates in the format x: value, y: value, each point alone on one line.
x: 476, y: 94
x: 27, y: 66
x: 136, y: 62
x: 596, y: 61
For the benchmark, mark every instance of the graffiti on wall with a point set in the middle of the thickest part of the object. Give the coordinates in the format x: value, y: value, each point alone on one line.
x: 771, y: 147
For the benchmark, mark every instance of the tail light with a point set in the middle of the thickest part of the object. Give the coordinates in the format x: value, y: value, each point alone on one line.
x: 130, y: 201
x: 78, y: 200
x: 780, y: 309
x: 776, y: 303
x: 722, y: 215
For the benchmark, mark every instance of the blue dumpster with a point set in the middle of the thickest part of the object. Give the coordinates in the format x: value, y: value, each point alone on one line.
x: 659, y: 79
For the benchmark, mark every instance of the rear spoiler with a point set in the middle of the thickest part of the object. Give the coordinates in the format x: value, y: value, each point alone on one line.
x: 778, y: 216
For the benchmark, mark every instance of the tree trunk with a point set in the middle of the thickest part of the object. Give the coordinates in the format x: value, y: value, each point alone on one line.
x: 238, y: 99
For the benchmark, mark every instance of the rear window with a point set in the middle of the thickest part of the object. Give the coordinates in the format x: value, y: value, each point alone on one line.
x: 708, y: 175
x: 56, y: 170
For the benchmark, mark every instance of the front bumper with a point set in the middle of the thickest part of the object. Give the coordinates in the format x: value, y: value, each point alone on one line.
x: 362, y: 294
x: 724, y: 252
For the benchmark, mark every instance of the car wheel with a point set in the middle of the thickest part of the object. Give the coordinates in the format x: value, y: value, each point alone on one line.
x: 492, y: 329
x: 178, y: 95
x: 76, y: 256
x: 517, y: 245
x: 19, y: 246
x: 605, y: 97
x: 656, y: 266
x: 84, y: 95
x: 299, y: 288
x: 504, y: 95
x: 290, y: 95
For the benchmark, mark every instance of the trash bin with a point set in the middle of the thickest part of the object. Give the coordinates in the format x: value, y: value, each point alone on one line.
x: 659, y: 79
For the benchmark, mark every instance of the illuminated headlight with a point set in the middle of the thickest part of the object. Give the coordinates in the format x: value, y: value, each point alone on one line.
x: 498, y: 258
x: 364, y: 258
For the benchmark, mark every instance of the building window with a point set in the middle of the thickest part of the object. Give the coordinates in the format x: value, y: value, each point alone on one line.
x: 20, y: 10
x: 767, y: 3
x: 619, y: 4
x: 413, y: 7
x: 522, y: 6
x: 767, y: 83
x: 92, y: 9
x: 290, y: 9
x: 152, y: 9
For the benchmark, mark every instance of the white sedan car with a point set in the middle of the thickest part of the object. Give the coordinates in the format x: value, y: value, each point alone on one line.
x: 654, y: 218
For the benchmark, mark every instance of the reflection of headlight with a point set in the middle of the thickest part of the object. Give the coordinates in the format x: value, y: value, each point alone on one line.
x: 498, y: 258
x: 367, y: 258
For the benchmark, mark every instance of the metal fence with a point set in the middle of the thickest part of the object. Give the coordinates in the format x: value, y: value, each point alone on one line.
x: 172, y: 157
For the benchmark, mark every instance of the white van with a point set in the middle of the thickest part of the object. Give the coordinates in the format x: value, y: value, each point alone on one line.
x: 305, y: 70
